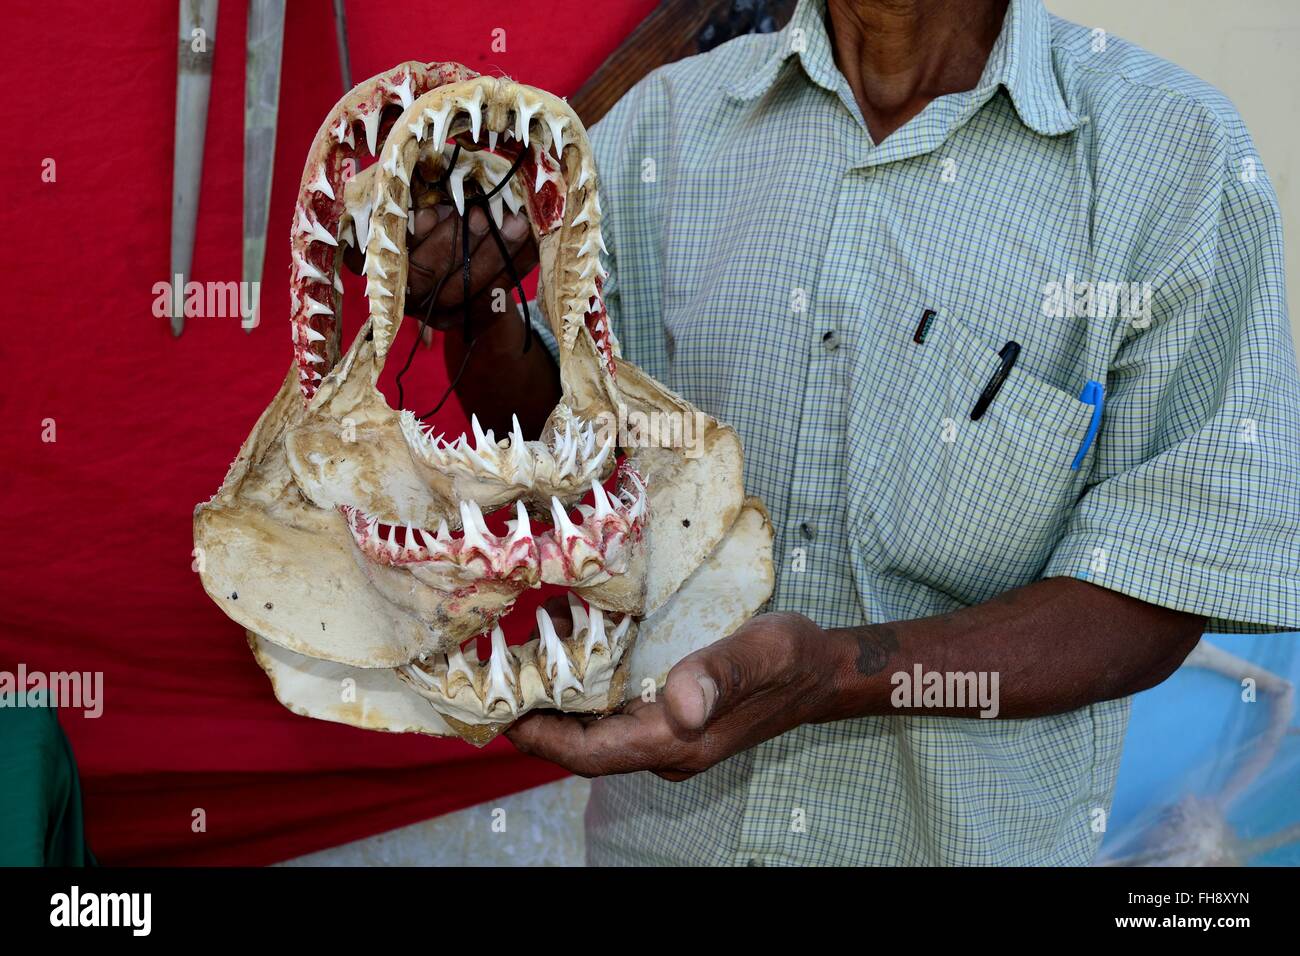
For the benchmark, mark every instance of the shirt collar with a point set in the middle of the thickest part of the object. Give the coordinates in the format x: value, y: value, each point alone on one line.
x: 1020, y: 61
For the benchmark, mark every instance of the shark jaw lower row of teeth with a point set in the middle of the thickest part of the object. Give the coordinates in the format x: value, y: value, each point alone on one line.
x: 571, y: 461
x: 548, y: 671
x: 566, y: 553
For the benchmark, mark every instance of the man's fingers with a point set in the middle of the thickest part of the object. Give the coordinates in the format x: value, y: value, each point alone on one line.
x: 439, y: 257
x: 621, y: 743
x: 704, y: 685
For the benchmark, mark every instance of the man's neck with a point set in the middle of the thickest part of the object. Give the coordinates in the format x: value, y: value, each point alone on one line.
x: 898, y: 55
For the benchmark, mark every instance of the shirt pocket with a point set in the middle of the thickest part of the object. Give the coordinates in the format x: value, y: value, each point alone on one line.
x: 972, y: 508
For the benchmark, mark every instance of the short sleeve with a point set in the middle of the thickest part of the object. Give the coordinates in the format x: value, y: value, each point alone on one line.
x: 1195, y: 500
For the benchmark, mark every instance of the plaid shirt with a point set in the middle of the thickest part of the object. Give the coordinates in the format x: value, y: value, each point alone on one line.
x: 773, y: 265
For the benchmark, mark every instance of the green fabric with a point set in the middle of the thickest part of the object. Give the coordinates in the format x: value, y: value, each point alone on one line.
x: 40, y: 793
x: 771, y: 263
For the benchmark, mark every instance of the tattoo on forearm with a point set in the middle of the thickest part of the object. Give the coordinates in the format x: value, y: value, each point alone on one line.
x: 875, y: 646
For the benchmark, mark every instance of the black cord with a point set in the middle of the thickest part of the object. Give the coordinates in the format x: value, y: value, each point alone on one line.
x: 482, y: 201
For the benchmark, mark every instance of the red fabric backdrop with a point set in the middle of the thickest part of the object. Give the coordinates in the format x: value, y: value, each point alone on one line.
x: 95, y: 562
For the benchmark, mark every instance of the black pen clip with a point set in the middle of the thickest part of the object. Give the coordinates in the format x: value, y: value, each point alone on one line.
x: 1009, y: 352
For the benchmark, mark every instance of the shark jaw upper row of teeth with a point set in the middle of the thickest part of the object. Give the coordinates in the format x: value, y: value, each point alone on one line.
x: 573, y: 459
x: 563, y: 554
x: 564, y: 666
x: 438, y: 122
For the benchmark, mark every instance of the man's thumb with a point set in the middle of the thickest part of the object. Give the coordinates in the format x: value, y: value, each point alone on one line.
x: 691, y: 695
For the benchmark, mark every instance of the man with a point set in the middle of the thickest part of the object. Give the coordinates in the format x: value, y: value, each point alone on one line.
x: 829, y: 238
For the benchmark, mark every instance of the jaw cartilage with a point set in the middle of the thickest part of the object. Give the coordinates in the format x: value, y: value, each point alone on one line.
x: 573, y: 672
x: 581, y: 553
x: 492, y: 472
x: 356, y: 544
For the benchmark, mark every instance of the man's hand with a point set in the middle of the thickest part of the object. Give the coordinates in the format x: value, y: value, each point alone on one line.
x: 763, y: 680
x: 494, y: 378
x: 1056, y: 645
x: 437, y: 260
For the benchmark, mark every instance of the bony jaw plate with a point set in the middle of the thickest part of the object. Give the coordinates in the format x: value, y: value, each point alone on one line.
x: 360, y: 547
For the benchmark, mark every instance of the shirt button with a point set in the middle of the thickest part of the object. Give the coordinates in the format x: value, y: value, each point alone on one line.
x: 830, y: 341
x: 808, y: 529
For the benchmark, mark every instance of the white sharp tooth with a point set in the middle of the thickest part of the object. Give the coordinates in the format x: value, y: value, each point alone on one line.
x: 385, y: 244
x: 603, y: 507
x: 581, y: 218
x: 480, y: 461
x: 560, y: 518
x: 402, y: 91
x: 306, y: 270
x: 595, y: 202
x: 508, y: 134
x: 321, y: 184
x: 429, y: 544
x: 377, y: 290
x: 558, y: 669
x: 457, y: 182
x: 392, y: 209
x: 523, y: 116
x: 637, y: 507
x: 417, y: 128
x: 410, y: 539
x: 315, y: 308
x: 578, y: 613
x: 541, y: 179
x: 360, y: 216
x: 583, y: 175
x: 457, y: 665
x: 439, y: 120
x: 313, y: 335
x: 421, y: 674
x: 392, y: 538
x: 371, y: 122
x: 556, y: 124
x: 338, y: 284
x: 395, y: 167
x: 481, y: 442
x: 443, y: 534
x: 513, y: 203
x: 519, y: 451
x: 494, y: 204
x: 620, y: 630
x: 570, y: 451
x: 500, y: 683
x: 523, y: 527
x: 343, y: 131
x: 475, y: 111
x: 492, y: 139
x: 308, y: 226
x: 410, y: 227
x: 469, y: 529
x: 373, y: 267
x: 471, y: 519
x: 596, y: 631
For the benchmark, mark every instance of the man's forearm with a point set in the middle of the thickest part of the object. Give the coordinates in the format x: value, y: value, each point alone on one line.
x: 1056, y: 645
x: 501, y: 380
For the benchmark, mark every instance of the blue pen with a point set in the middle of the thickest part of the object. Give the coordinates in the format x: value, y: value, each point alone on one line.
x: 1094, y: 394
